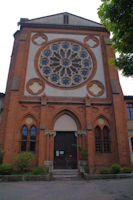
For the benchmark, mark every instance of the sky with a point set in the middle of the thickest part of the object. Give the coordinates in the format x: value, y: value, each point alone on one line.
x: 12, y: 10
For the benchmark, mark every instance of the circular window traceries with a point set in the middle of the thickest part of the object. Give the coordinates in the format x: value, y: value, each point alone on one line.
x: 65, y: 64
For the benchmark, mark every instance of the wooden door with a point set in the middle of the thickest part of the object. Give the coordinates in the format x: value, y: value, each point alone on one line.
x: 65, y: 154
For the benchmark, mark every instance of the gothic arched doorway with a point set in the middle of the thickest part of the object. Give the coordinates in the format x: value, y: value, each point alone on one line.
x: 65, y: 152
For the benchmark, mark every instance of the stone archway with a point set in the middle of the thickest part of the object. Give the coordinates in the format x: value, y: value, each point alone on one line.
x: 65, y: 153
x: 65, y: 123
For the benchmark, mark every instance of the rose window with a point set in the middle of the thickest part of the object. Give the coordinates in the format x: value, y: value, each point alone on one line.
x: 65, y: 64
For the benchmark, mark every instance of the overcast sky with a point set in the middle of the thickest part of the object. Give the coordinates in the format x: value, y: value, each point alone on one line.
x: 12, y: 10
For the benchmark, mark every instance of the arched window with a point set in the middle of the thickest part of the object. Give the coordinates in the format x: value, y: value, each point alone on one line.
x: 98, y: 142
x: 130, y: 110
x: 28, y: 138
x: 102, y: 140
x: 24, y: 134
x: 32, y: 138
x: 106, y: 140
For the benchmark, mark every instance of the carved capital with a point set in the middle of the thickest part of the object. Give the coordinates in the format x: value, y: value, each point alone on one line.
x: 43, y: 103
x: 88, y: 104
x: 42, y: 126
x: 80, y: 133
x: 89, y: 127
x: 50, y: 133
x: 44, y: 100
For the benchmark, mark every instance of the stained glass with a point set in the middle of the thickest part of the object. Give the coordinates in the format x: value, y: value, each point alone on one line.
x: 62, y: 63
x: 24, y: 132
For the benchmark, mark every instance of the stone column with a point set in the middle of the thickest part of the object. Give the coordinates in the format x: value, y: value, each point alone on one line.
x: 42, y: 138
x: 48, y: 163
x: 91, y: 150
x: 90, y: 137
x: 41, y: 149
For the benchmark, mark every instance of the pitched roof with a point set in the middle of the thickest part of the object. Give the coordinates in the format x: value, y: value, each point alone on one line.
x: 59, y: 20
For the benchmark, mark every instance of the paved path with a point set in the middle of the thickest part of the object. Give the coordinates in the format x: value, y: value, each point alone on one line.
x: 121, y: 189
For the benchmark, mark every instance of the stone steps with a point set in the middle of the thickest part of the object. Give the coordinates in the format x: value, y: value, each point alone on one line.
x: 66, y: 174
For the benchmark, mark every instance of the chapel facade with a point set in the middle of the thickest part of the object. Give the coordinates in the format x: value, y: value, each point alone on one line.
x: 63, y: 96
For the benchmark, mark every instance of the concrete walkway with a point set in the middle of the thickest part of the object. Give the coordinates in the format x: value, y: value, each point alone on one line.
x: 118, y: 189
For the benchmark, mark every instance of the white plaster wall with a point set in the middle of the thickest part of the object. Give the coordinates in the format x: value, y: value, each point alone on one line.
x: 52, y: 36
x: 65, y: 123
x: 49, y: 90
x: 80, y: 92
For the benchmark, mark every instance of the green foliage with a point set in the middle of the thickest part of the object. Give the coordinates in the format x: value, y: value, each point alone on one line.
x: 24, y: 173
x: 23, y: 160
x: 126, y: 170
x: 105, y: 170
x: 39, y: 171
x: 6, y: 169
x: 125, y: 63
x: 115, y: 168
x: 87, y: 170
x: 117, y: 16
x: 82, y: 151
x: 111, y: 61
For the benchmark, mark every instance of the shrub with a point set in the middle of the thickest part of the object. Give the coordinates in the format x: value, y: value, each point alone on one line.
x: 126, y: 170
x: 105, y: 170
x: 115, y: 168
x: 23, y: 160
x: 39, y: 171
x: 87, y: 170
x: 6, y: 169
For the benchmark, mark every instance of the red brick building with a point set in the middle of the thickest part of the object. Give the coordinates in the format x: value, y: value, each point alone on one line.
x: 61, y: 92
x: 129, y: 104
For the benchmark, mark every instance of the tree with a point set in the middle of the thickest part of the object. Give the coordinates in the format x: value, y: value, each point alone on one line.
x: 117, y: 16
